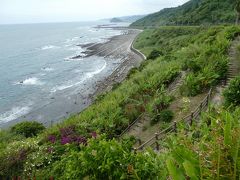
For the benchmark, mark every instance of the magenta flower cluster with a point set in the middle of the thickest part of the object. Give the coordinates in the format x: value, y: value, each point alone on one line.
x: 52, y: 139
x: 69, y: 135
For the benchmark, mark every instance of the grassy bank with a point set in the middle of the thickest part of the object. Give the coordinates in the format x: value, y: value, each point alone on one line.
x: 84, y: 145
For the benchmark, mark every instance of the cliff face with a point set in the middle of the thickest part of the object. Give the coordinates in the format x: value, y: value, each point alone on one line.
x: 194, y: 12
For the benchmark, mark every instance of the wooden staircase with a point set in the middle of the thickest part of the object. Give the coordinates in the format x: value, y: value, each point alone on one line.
x: 234, y: 58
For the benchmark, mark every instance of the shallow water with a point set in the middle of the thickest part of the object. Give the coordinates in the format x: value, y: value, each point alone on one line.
x: 38, y: 80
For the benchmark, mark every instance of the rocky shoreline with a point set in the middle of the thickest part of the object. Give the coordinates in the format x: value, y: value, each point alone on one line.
x: 117, y: 48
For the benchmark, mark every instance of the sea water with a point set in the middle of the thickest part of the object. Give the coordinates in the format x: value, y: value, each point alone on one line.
x: 38, y: 78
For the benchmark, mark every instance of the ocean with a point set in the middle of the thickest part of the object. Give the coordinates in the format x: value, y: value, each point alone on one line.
x: 38, y: 78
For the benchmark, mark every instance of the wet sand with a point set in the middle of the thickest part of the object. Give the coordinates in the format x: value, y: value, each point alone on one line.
x: 63, y: 105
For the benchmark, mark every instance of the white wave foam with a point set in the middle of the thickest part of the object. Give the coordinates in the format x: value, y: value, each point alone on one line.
x: 92, y: 30
x: 79, y: 56
x: 91, y: 74
x: 60, y: 88
x: 49, y: 47
x: 31, y: 81
x: 88, y: 75
x: 72, y: 39
x: 14, y: 113
x: 48, y: 69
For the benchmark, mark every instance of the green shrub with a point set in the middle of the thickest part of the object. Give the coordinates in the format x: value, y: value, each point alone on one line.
x: 212, y: 152
x: 131, y: 72
x: 116, y: 85
x: 191, y: 86
x: 14, y: 156
x: 28, y: 129
x: 232, y: 93
x: 162, y: 100
x: 131, y: 112
x: 154, y: 54
x: 165, y: 116
x: 103, y: 159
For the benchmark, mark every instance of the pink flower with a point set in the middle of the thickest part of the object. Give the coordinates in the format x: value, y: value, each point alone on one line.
x: 52, y: 138
x: 94, y: 135
x: 66, y: 140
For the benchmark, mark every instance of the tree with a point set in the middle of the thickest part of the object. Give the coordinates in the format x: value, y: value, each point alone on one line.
x: 237, y: 8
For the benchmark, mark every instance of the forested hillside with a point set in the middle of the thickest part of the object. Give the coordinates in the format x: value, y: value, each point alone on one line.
x: 194, y: 12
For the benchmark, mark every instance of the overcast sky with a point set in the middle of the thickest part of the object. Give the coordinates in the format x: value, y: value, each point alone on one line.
x: 29, y: 11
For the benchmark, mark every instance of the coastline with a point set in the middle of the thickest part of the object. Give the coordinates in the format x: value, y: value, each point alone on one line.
x: 115, y: 48
x: 132, y: 58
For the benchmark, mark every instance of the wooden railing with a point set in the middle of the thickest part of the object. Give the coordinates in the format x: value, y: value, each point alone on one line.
x: 170, y: 88
x: 154, y: 140
x: 130, y: 126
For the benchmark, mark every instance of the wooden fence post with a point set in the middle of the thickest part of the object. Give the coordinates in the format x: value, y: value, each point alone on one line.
x: 157, y: 144
x: 139, y: 142
x: 191, y: 118
x: 135, y: 150
x: 175, y: 127
x: 208, y: 99
x: 201, y: 107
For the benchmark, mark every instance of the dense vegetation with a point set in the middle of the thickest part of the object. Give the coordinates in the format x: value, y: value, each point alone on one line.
x: 85, y: 145
x: 194, y: 12
x: 28, y: 129
x: 232, y: 94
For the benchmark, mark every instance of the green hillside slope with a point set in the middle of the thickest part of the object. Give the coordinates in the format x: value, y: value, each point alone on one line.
x: 194, y: 12
x: 84, y: 146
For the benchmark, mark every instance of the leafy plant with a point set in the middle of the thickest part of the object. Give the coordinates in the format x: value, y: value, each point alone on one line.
x: 28, y: 129
x: 164, y: 116
x: 232, y: 93
x: 154, y: 54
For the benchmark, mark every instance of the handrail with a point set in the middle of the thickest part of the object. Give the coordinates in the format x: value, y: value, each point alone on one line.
x: 156, y: 134
x: 194, y: 115
x: 130, y: 126
x: 169, y: 89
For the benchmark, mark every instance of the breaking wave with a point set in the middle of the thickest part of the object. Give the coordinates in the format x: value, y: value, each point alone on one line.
x: 31, y: 81
x: 14, y: 113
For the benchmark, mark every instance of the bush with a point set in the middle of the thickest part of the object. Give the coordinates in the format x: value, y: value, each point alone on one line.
x: 28, y: 129
x: 165, y: 115
x: 131, y: 72
x: 154, y: 54
x: 108, y: 159
x: 232, y: 93
x: 162, y: 100
x: 116, y: 85
x: 191, y: 86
